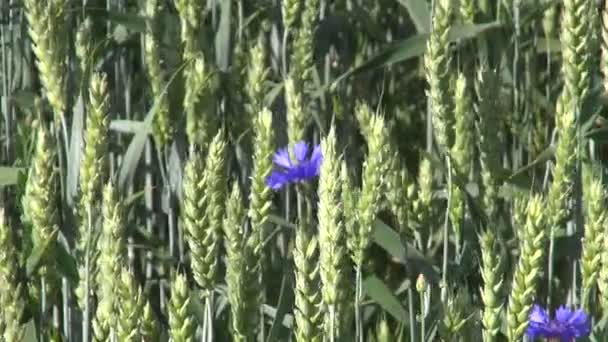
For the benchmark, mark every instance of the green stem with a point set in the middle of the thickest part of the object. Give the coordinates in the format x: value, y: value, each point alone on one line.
x: 87, y: 308
x: 358, y: 299
x: 332, y: 323
x: 412, y: 319
x: 446, y: 233
x: 422, y: 317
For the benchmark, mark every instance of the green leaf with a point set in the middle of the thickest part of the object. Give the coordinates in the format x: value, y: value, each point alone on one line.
x: 283, y: 307
x: 272, y: 313
x: 126, y: 126
x: 521, y: 179
x: 414, y: 47
x: 197, y: 307
x: 272, y: 95
x: 24, y: 99
x: 549, y: 45
x: 420, y: 13
x: 10, y: 175
x: 37, y: 254
x: 599, y: 135
x: 222, y: 37
x: 389, y: 239
x: 377, y: 290
x: 75, y: 153
x: 130, y: 21
x: 136, y: 147
x: 66, y: 264
x: 281, y: 221
x: 29, y: 332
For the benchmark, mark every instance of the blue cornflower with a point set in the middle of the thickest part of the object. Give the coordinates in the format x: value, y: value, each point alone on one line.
x: 304, y: 168
x: 566, y: 326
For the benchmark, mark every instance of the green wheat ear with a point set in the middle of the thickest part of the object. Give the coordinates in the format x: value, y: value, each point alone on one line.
x: 533, y: 238
x: 198, y: 78
x: 84, y: 45
x: 260, y: 196
x: 422, y: 206
x: 47, y: 29
x: 93, y: 172
x: 289, y: 11
x: 148, y: 324
x: 455, y: 315
x: 490, y: 138
x: 491, y: 292
x: 241, y: 273
x: 368, y: 205
x: 576, y: 36
x: 203, y: 210
x: 437, y: 67
x: 182, y: 325
x: 332, y: 237
x: 593, y: 240
x: 307, y: 311
x: 111, y: 260
x: 11, y: 294
x: 39, y: 203
x: 461, y: 151
x: 296, y: 119
x: 302, y: 62
x: 397, y: 184
x: 257, y: 73
x: 130, y: 308
x: 162, y: 128
x: 602, y: 282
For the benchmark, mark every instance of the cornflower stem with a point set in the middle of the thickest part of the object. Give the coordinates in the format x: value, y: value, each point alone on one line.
x: 446, y: 232
x: 422, y: 317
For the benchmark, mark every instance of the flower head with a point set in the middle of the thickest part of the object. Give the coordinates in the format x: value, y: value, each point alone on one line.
x: 306, y: 165
x: 566, y: 326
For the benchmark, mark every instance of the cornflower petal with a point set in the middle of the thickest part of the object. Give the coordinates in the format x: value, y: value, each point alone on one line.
x: 317, y: 157
x: 277, y: 180
x: 305, y: 169
x: 282, y: 158
x: 538, y: 315
x: 566, y: 326
x: 300, y: 150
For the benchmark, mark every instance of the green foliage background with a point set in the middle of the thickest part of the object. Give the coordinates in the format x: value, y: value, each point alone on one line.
x: 463, y: 177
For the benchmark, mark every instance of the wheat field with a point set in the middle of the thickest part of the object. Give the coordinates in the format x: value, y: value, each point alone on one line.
x: 303, y: 170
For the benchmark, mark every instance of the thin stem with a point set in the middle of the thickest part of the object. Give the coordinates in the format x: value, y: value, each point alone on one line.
x: 210, y: 317
x: 446, y: 233
x: 550, y: 267
x: 206, y: 336
x: 422, y: 317
x: 332, y: 323
x: 284, y: 51
x: 65, y: 285
x: 42, y: 307
x: 412, y: 318
x: 358, y: 299
x: 87, y: 307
